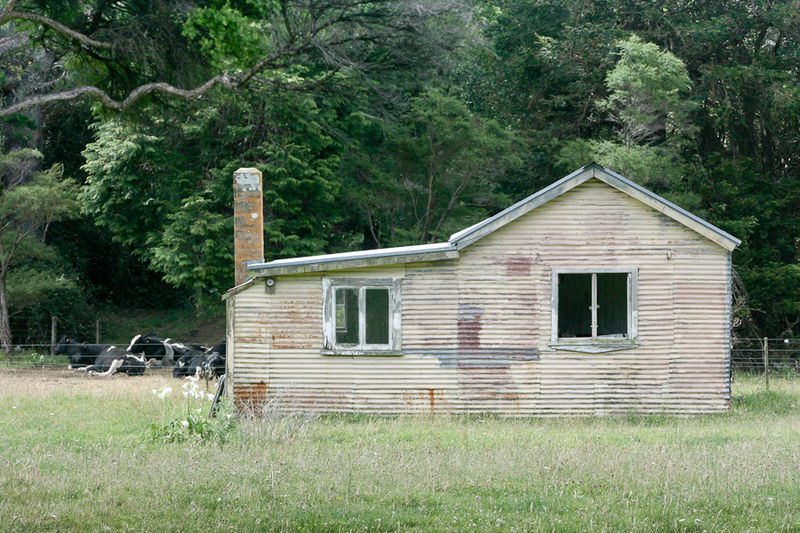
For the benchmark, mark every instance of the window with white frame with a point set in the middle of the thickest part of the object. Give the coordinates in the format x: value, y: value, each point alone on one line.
x: 361, y: 315
x: 595, y: 308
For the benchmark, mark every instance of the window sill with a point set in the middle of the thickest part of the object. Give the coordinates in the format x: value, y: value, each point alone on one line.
x: 362, y: 353
x: 594, y: 347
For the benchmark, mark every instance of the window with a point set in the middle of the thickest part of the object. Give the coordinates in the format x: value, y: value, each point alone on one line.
x: 361, y: 316
x: 594, y: 310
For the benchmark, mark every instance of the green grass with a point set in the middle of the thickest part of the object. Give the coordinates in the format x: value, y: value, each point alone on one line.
x: 31, y: 358
x: 77, y: 457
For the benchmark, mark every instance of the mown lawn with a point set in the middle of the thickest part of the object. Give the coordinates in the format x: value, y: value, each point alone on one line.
x: 75, y: 455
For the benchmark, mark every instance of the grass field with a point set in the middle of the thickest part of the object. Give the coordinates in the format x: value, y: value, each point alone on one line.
x: 77, y: 455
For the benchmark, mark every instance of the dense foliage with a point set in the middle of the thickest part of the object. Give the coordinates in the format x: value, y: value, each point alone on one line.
x: 393, y: 123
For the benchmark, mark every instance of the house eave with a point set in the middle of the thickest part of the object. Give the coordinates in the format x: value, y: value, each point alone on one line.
x: 360, y: 259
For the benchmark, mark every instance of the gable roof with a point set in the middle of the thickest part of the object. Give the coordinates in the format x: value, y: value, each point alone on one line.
x: 481, y: 229
x: 465, y: 237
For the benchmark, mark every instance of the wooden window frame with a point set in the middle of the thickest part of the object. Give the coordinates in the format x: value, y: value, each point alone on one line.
x: 595, y: 343
x: 329, y: 287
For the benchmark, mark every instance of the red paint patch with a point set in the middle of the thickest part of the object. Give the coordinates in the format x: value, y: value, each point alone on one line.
x: 469, y: 327
x: 518, y: 265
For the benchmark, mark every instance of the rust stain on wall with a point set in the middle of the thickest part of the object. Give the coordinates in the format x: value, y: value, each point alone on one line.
x: 421, y: 400
x: 249, y: 340
x: 250, y: 398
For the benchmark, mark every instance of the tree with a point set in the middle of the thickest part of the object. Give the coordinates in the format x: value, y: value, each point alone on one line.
x: 648, y: 104
x: 436, y: 172
x: 162, y: 185
x: 128, y: 50
x: 647, y: 94
x: 26, y: 212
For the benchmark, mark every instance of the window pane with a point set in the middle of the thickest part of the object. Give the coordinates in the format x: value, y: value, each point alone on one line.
x: 612, y: 301
x: 347, y: 308
x: 574, y: 305
x: 377, y: 316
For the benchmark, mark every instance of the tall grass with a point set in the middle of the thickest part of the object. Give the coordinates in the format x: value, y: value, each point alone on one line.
x: 76, y: 457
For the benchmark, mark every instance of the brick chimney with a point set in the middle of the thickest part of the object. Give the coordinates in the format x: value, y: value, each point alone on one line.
x: 248, y: 220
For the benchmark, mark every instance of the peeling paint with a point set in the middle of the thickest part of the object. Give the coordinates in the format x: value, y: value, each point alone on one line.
x: 487, y: 357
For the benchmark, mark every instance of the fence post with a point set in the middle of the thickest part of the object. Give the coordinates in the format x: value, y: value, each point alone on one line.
x: 766, y: 362
x: 97, y: 331
x: 53, y: 334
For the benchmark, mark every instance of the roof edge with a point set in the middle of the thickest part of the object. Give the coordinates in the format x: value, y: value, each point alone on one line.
x: 677, y: 213
x: 359, y: 259
x: 609, y: 177
x: 471, y: 234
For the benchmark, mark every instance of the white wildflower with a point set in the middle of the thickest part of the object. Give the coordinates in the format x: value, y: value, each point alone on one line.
x: 192, y: 390
x: 210, y: 396
x: 185, y: 423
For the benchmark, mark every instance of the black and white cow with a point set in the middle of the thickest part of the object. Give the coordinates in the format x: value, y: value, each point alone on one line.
x: 80, y: 354
x: 210, y: 363
x: 190, y: 365
x: 162, y: 352
x: 215, y: 365
x: 114, y: 360
x: 153, y: 348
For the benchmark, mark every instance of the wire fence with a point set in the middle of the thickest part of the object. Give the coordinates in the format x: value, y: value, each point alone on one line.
x: 758, y: 356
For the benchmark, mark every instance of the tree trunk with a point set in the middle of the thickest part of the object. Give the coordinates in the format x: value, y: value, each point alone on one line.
x: 5, y: 320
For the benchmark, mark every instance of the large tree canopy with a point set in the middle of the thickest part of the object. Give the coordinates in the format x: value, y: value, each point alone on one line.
x: 121, y: 52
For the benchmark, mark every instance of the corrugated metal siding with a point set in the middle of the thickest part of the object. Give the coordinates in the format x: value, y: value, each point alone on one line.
x: 476, y: 330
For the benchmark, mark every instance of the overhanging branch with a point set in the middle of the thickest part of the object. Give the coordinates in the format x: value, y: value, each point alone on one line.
x: 328, y: 29
x: 118, y: 105
x: 54, y: 25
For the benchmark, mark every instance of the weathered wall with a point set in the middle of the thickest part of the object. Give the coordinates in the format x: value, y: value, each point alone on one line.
x: 476, y: 330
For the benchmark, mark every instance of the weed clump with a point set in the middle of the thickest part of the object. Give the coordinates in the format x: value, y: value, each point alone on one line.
x: 194, y: 426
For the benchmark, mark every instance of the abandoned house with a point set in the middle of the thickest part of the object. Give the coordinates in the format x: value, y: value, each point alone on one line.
x: 592, y: 296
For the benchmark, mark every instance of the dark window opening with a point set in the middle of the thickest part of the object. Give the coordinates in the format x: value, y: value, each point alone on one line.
x: 574, y: 305
x: 593, y: 305
x: 377, y: 316
x: 612, y: 304
x: 347, y: 316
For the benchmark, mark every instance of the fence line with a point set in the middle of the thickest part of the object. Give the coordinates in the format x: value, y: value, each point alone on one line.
x: 761, y: 356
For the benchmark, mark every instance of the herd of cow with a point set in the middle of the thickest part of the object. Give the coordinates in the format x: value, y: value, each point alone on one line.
x: 144, y: 351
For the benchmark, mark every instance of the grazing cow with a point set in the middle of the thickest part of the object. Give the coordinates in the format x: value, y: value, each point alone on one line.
x: 80, y: 354
x: 114, y: 360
